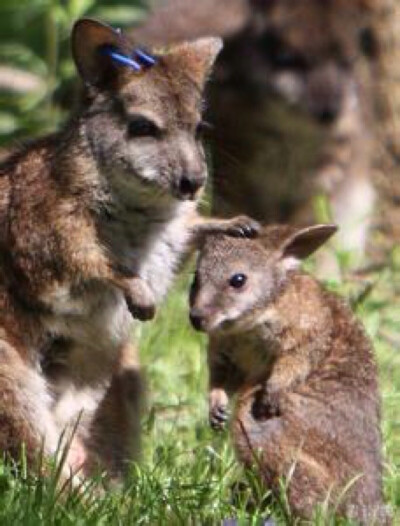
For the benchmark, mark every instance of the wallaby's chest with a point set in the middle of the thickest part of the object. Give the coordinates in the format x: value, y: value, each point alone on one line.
x: 94, y: 317
x: 148, y: 240
x: 250, y: 354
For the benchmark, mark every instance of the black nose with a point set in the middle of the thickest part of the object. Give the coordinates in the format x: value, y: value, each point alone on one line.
x: 188, y: 186
x: 196, y: 320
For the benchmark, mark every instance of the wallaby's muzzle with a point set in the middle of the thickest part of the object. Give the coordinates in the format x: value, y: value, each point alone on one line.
x: 197, y: 319
x: 188, y: 186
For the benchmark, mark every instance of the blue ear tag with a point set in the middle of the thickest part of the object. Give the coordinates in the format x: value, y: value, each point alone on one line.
x: 140, y: 60
x: 145, y: 58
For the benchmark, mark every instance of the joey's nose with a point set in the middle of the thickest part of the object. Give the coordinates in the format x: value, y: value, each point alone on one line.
x: 196, y: 319
x: 188, y: 186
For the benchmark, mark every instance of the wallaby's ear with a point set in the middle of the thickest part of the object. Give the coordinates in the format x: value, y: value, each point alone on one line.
x: 89, y: 39
x: 195, y: 58
x: 305, y: 241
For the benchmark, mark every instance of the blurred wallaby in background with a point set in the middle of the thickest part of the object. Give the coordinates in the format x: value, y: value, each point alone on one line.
x: 291, y: 103
x: 385, y: 48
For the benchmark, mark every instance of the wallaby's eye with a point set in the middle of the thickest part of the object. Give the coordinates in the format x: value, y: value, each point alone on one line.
x: 202, y: 129
x: 142, y: 127
x: 280, y: 55
x: 288, y: 60
x: 368, y: 43
x: 237, y: 281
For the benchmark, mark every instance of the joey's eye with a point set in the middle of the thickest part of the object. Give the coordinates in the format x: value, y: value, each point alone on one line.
x: 202, y: 129
x: 142, y: 127
x: 237, y: 281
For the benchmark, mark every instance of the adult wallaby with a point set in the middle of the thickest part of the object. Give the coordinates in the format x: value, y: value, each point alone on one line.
x: 93, y: 223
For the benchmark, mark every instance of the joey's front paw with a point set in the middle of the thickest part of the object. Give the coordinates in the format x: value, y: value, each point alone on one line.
x: 218, y: 417
x: 140, y: 300
x: 266, y: 405
x: 218, y: 409
x: 243, y: 226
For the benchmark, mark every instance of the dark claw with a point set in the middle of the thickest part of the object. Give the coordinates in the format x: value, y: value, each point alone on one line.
x: 252, y: 230
x: 244, y: 227
x: 221, y: 414
x: 218, y: 417
x: 140, y: 312
x: 217, y: 426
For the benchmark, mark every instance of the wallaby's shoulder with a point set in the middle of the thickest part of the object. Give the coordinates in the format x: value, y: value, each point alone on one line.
x: 31, y: 153
x: 304, y: 301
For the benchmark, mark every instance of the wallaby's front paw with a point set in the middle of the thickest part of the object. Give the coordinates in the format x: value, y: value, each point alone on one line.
x: 141, y: 312
x: 243, y: 226
x: 140, y: 300
x: 218, y: 409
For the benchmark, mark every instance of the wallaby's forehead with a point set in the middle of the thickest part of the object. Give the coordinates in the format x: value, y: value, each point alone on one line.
x: 221, y: 254
x: 314, y: 26
x: 163, y: 91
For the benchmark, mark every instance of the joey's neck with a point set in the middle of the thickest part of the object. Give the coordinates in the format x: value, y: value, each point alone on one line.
x: 300, y: 315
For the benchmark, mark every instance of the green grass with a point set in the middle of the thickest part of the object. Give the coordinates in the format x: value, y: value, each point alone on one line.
x: 187, y: 473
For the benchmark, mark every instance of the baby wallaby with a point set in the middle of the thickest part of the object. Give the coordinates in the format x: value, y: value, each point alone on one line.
x: 93, y: 223
x: 301, y: 365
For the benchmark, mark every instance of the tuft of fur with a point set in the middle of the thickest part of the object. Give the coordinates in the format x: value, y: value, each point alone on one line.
x: 302, y: 369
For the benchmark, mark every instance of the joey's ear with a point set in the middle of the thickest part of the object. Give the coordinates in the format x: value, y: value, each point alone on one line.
x: 305, y: 241
x: 195, y: 58
x: 89, y: 40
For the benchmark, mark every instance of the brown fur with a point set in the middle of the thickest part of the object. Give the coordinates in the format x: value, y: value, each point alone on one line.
x: 93, y: 220
x: 302, y: 367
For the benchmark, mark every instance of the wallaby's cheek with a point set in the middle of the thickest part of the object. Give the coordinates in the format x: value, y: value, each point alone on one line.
x: 147, y: 160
